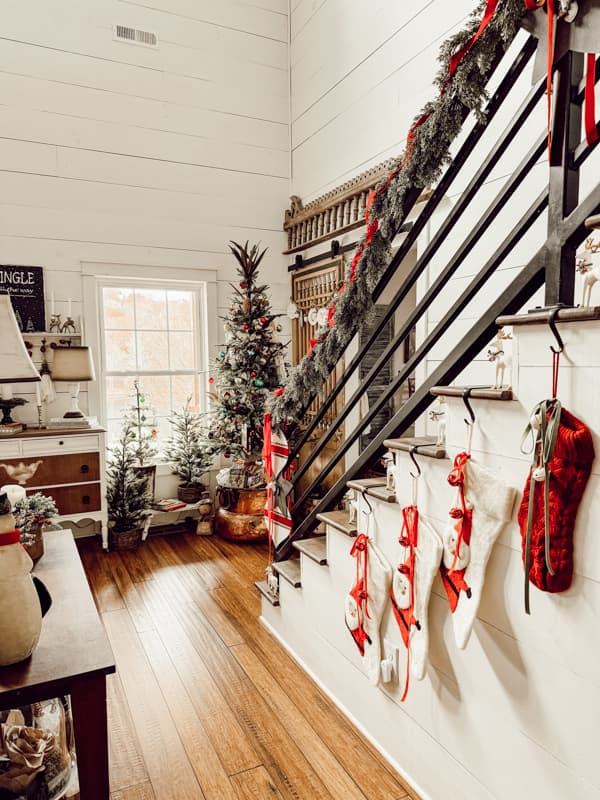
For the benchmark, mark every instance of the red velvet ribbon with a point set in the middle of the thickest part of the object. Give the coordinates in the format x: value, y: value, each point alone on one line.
x: 361, y: 545
x: 589, y: 99
x: 311, y: 345
x: 11, y: 537
x: 267, y: 457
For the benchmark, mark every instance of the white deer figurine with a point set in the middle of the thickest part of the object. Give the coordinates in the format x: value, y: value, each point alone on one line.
x: 438, y: 415
x: 500, y: 355
x: 589, y: 267
x: 388, y: 462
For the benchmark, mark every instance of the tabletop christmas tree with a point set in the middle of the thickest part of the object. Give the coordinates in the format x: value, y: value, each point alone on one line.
x: 249, y: 366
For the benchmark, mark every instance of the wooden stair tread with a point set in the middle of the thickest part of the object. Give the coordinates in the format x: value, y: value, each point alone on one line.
x: 339, y: 521
x: 476, y: 393
x: 593, y: 221
x: 264, y: 590
x: 426, y: 444
x: 362, y: 484
x: 289, y: 570
x: 382, y: 493
x: 374, y: 487
x: 315, y: 548
x: 541, y: 317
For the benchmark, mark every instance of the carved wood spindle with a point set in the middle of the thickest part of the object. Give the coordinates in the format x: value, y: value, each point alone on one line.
x: 321, y: 223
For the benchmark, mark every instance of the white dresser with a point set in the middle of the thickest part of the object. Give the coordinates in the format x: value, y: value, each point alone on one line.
x: 66, y: 465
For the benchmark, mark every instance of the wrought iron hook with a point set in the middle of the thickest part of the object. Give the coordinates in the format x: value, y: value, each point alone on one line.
x: 411, y: 453
x: 365, y: 497
x: 465, y: 397
x: 554, y: 329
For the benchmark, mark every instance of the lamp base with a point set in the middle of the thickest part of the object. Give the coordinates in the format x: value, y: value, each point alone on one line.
x: 7, y: 406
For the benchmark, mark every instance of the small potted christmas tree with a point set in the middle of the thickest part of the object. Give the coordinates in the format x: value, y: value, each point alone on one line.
x: 32, y: 513
x: 186, y: 451
x: 141, y: 417
x: 127, y: 493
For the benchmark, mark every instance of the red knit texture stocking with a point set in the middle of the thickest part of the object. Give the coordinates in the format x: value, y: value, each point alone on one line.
x: 570, y: 468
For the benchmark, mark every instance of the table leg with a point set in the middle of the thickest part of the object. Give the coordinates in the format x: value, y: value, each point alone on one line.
x: 88, y: 702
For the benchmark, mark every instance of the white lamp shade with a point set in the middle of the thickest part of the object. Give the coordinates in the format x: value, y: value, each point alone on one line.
x: 15, y: 364
x: 73, y: 364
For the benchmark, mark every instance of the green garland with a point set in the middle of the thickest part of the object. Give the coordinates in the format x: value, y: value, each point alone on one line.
x: 421, y: 168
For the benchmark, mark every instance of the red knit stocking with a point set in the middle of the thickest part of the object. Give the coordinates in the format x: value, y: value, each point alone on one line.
x: 563, y: 455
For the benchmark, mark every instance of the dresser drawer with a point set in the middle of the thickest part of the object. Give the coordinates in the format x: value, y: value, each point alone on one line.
x: 80, y: 499
x: 50, y: 445
x: 9, y: 449
x: 70, y: 468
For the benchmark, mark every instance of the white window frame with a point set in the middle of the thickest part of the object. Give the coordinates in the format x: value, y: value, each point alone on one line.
x: 96, y: 276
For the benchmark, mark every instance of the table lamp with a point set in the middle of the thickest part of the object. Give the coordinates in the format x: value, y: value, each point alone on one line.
x: 73, y: 364
x: 16, y: 365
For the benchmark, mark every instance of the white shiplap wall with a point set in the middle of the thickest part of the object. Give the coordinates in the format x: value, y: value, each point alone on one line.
x: 117, y: 153
x: 360, y: 72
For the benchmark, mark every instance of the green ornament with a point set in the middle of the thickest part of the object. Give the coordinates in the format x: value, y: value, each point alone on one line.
x: 222, y: 354
x: 259, y: 382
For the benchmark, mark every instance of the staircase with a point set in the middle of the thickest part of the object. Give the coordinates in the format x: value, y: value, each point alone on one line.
x: 494, y: 722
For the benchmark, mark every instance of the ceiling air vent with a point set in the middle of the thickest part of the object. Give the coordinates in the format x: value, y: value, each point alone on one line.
x: 122, y: 33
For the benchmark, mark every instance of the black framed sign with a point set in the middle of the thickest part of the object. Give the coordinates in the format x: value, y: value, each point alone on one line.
x: 25, y: 285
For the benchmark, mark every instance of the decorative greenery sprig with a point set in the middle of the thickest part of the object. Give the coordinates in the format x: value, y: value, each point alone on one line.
x: 35, y: 509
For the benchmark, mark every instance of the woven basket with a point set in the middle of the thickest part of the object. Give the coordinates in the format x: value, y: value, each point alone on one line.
x: 124, y: 540
x: 190, y: 494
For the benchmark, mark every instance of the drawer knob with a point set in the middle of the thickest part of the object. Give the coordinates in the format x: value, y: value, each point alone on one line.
x: 85, y: 499
x: 85, y: 468
x: 61, y: 442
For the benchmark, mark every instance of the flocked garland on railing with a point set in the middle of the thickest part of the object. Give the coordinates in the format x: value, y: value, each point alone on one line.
x: 466, y: 59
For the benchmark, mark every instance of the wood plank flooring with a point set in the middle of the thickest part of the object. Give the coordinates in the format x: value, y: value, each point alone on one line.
x: 205, y: 703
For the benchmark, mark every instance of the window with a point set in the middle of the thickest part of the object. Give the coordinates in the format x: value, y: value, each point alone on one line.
x: 153, y: 335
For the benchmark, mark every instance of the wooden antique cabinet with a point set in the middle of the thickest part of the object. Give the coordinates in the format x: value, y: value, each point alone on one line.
x: 67, y: 465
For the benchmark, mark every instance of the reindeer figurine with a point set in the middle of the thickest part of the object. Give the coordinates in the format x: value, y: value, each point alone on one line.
x: 499, y: 354
x: 438, y: 415
x: 589, y: 267
x: 388, y: 462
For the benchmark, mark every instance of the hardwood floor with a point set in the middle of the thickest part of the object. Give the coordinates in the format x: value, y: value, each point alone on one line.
x: 205, y: 703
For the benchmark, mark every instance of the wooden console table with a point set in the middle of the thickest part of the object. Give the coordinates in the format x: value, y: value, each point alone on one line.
x: 73, y: 657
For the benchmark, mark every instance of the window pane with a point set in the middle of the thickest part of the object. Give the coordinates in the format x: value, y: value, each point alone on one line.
x: 182, y: 350
x: 118, y: 395
x: 152, y: 350
x: 151, y: 309
x: 157, y: 391
x: 118, y: 308
x: 185, y: 386
x: 181, y: 311
x: 120, y: 351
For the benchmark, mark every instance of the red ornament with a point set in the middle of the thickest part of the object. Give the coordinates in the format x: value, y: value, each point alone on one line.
x: 211, y: 380
x: 253, y: 374
x: 245, y: 326
x: 227, y: 455
x: 263, y: 320
x: 243, y: 285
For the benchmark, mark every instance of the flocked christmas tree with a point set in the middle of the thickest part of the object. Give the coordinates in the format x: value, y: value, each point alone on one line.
x: 126, y: 490
x: 250, y: 365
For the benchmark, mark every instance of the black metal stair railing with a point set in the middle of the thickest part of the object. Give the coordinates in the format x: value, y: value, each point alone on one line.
x: 553, y: 264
